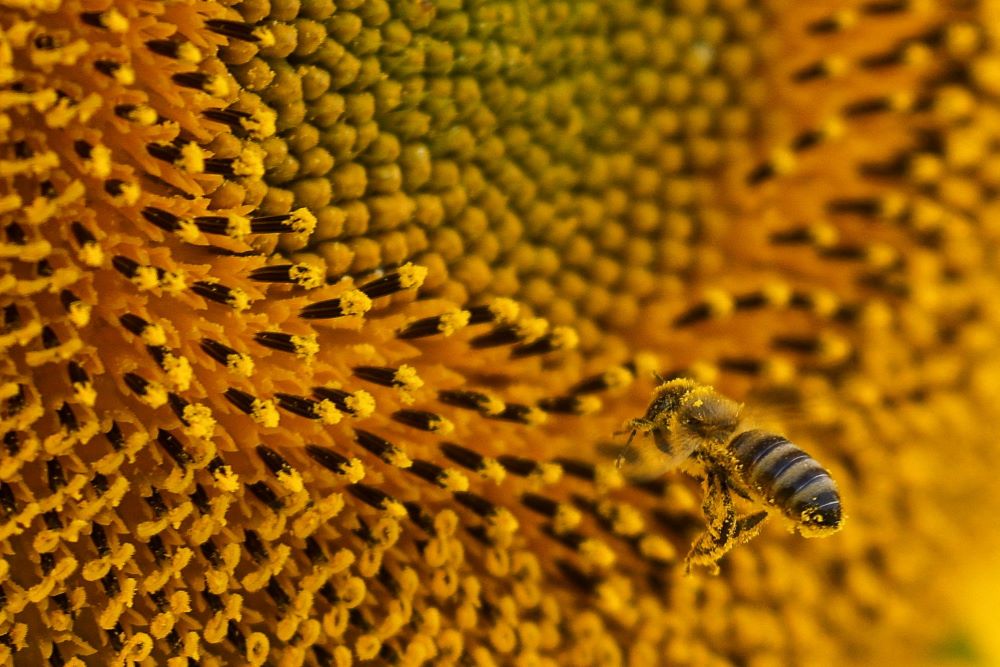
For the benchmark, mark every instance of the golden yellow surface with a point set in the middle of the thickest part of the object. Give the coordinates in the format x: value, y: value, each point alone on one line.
x: 319, y: 319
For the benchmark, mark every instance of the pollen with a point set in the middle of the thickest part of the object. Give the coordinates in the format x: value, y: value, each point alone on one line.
x: 319, y: 320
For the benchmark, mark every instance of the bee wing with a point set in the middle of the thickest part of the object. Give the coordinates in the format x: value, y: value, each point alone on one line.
x: 785, y: 411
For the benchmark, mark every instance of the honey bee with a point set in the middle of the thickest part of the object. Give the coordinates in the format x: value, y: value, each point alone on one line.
x: 690, y: 426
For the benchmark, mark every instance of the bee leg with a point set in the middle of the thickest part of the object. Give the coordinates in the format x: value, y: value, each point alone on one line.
x: 721, y: 524
x: 724, y: 461
x: 747, y: 527
x: 635, y: 425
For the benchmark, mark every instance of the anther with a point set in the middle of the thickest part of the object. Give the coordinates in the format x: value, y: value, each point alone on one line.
x: 111, y: 20
x: 371, y: 496
x: 274, y: 461
x: 324, y: 410
x: 382, y: 448
x: 174, y: 50
x: 220, y: 293
x: 304, y: 346
x: 472, y: 400
x: 174, y: 448
x: 359, y: 404
x: 67, y: 418
x: 424, y: 421
x: 476, y: 503
x: 561, y: 338
x: 115, y: 437
x: 577, y: 468
x: 235, y: 29
x: 305, y: 275
x: 155, y: 502
x: 49, y: 338
x: 408, y: 276
x: 827, y: 67
x: 328, y: 458
x: 202, y: 81
x: 15, y: 234
x: 299, y: 221
x: 427, y: 471
x: 517, y: 465
x: 266, y: 495
x: 463, y: 456
x: 445, y: 324
x: 351, y: 302
x: 56, y: 476
x: 569, y: 405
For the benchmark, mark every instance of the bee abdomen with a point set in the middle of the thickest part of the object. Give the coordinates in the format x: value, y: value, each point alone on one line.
x: 789, y: 478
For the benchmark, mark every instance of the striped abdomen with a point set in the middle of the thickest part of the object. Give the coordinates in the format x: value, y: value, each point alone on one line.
x: 786, y: 476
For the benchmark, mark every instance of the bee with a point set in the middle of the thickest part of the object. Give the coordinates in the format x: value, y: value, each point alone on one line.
x: 690, y: 426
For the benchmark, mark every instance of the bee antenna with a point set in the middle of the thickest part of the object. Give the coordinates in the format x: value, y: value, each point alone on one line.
x: 659, y: 378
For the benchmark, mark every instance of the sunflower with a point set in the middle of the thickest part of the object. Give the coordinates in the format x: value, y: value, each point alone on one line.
x: 319, y: 320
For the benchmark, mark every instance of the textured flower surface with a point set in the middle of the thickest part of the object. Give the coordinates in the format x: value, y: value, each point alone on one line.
x: 319, y: 318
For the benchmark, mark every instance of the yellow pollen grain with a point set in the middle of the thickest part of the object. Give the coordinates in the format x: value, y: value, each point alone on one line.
x: 173, y: 282
x: 778, y: 294
x: 504, y: 310
x: 548, y: 473
x: 240, y: 364
x: 189, y: 53
x: 719, y: 302
x: 146, y: 278
x: 192, y: 158
x: 178, y: 370
x: 306, y: 347
x: 250, y: 164
x: 155, y: 395
x: 303, y: 221
x: 308, y: 276
x: 453, y: 320
x: 412, y: 276
x: 361, y: 404
x: 397, y: 457
x: 441, y: 426
x: 188, y: 231
x: 493, y: 471
x: 238, y: 299
x: 618, y: 377
x: 824, y: 303
x: 328, y: 412
x: 566, y: 518
x: 453, y: 480
x: 201, y: 424
x: 226, y: 480
x: 265, y: 413
x: 407, y: 381
x: 588, y: 405
x: 354, y: 471
x: 238, y: 226
x: 85, y: 393
x: 291, y: 480
x: 565, y: 338
x: 532, y: 329
x: 502, y: 525
x: 657, y: 548
x: 394, y: 508
x: 355, y: 302
x: 261, y: 124
x: 91, y: 254
x: 779, y: 371
x: 597, y: 553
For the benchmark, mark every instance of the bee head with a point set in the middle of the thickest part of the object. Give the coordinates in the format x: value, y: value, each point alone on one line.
x: 708, y: 415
